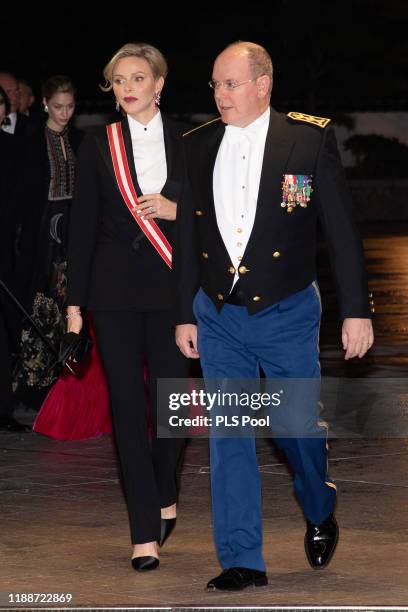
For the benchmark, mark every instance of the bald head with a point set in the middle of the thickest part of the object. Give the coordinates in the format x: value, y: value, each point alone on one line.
x: 242, y: 82
x: 259, y: 60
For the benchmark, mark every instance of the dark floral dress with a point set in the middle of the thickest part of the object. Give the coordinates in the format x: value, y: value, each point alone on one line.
x: 37, y: 363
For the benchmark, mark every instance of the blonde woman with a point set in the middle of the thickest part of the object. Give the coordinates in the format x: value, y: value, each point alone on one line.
x: 119, y: 267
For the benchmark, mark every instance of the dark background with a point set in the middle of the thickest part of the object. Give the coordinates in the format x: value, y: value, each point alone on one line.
x: 330, y: 57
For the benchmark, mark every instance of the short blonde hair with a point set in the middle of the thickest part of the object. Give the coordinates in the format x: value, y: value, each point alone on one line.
x: 260, y: 61
x: 153, y: 57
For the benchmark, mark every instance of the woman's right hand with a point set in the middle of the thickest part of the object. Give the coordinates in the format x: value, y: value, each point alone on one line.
x: 74, y: 319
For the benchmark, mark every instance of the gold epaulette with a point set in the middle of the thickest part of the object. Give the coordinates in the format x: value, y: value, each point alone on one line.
x: 320, y: 121
x: 201, y: 126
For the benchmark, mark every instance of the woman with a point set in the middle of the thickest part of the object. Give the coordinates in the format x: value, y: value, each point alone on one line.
x: 41, y: 265
x: 75, y: 408
x: 118, y: 271
x: 4, y: 107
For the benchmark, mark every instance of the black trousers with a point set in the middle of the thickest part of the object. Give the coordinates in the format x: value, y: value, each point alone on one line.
x: 128, y: 339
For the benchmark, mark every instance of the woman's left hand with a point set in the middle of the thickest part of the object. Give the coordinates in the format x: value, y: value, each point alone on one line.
x: 156, y: 206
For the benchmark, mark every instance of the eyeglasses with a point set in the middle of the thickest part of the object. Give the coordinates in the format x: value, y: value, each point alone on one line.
x: 229, y: 84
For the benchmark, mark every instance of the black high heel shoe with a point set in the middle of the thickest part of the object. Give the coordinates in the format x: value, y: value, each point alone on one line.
x: 166, y: 527
x: 144, y: 564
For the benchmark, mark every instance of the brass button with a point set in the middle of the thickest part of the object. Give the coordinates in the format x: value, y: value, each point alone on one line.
x: 276, y: 254
x: 239, y: 257
x: 239, y: 230
x: 220, y: 296
x: 371, y: 302
x: 370, y: 295
x: 243, y: 269
x: 231, y: 270
x: 289, y: 209
x: 256, y: 298
x: 205, y: 255
x: 372, y: 309
x: 199, y: 213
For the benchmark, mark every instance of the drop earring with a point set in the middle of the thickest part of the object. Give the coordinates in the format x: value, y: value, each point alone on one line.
x: 157, y: 97
x: 46, y: 108
x: 117, y: 106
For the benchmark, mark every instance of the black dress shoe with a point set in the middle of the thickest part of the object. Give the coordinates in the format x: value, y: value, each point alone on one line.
x: 237, y: 578
x: 144, y: 564
x: 166, y: 527
x: 321, y: 541
x: 9, y: 423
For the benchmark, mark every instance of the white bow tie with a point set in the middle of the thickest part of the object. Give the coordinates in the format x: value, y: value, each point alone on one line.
x: 235, y: 134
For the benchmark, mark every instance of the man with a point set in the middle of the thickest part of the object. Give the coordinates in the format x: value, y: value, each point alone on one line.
x: 257, y: 183
x: 10, y: 318
x: 27, y: 97
x: 15, y: 123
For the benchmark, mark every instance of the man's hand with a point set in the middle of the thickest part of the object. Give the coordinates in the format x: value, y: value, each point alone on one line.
x: 357, y: 336
x: 186, y: 340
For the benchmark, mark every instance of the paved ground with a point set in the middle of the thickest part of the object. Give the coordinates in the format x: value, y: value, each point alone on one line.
x: 63, y: 524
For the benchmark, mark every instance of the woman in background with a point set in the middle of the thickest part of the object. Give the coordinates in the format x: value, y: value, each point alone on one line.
x: 41, y: 266
x: 76, y: 407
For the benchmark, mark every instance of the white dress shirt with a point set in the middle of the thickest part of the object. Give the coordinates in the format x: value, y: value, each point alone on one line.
x: 10, y: 129
x: 237, y: 174
x: 149, y: 153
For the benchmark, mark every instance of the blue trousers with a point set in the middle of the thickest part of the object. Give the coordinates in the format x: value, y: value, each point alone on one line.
x: 283, y: 340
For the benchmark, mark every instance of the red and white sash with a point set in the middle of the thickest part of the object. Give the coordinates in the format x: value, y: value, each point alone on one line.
x: 127, y: 189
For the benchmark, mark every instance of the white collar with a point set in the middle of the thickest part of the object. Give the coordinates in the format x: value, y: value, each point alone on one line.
x: 235, y: 134
x: 154, y: 127
x: 11, y: 128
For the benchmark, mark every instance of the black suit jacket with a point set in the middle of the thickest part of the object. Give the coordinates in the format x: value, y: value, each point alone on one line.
x: 280, y: 256
x: 111, y: 264
x: 25, y: 126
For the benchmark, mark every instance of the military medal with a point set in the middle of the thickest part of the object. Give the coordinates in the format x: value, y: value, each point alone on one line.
x: 296, y: 191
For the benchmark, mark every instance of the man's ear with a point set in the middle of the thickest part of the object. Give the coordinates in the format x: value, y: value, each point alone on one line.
x: 263, y: 84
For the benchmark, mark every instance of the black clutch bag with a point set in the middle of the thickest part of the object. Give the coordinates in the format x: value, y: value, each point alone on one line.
x: 74, y: 347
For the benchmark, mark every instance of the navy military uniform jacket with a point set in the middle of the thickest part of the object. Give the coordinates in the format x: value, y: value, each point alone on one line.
x: 279, y: 259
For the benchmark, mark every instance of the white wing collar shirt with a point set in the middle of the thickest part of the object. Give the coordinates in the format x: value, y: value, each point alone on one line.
x: 11, y: 128
x: 237, y: 174
x: 149, y: 153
